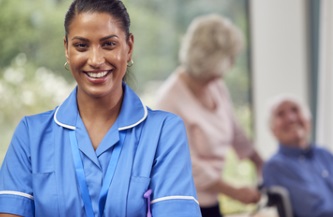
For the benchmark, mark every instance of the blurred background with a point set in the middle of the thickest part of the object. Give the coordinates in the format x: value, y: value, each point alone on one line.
x: 288, y: 48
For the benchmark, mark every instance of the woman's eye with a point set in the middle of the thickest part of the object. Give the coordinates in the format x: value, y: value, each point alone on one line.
x: 80, y: 45
x: 109, y: 44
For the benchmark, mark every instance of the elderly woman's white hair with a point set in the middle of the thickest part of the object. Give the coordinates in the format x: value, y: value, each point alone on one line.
x: 210, y: 45
x: 276, y: 101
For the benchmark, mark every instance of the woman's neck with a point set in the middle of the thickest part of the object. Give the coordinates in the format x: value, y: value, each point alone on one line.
x: 193, y: 84
x: 199, y: 90
x: 102, y: 108
x: 98, y: 115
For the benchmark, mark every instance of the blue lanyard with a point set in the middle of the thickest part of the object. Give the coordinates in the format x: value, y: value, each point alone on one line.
x: 79, y: 170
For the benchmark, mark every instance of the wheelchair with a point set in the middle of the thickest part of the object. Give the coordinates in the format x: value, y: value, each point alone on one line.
x: 275, y: 197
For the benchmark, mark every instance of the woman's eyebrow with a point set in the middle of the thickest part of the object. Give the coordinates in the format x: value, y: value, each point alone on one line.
x: 79, y: 38
x: 108, y: 37
x: 102, y: 39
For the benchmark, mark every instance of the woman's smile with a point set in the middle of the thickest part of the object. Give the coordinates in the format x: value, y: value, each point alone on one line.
x: 98, y: 77
x: 97, y: 74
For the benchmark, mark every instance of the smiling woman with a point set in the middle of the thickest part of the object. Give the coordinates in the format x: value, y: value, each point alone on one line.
x: 99, y: 139
x: 97, y: 51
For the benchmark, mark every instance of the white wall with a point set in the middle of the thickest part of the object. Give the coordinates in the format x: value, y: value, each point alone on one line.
x: 279, y: 54
x: 325, y: 95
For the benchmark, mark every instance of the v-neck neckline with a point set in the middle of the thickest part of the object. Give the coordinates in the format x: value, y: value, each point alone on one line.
x: 84, y: 142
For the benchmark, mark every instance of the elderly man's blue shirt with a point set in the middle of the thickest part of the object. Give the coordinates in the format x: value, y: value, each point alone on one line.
x: 308, y: 177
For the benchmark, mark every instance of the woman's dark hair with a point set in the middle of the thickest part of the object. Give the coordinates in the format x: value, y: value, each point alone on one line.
x: 115, y: 8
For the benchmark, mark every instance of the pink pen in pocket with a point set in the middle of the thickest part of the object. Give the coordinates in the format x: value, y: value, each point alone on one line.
x: 147, y: 196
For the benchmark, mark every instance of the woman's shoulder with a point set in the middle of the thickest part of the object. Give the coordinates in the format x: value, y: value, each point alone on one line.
x: 162, y: 115
x: 39, y: 118
x: 164, y: 120
x: 35, y: 124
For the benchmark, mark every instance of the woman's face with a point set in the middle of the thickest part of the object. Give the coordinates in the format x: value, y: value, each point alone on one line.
x: 217, y: 72
x: 290, y: 126
x: 97, y: 52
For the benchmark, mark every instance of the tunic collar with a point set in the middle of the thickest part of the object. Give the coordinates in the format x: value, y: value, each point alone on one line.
x: 132, y: 112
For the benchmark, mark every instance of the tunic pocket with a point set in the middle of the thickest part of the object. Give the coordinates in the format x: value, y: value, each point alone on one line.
x: 136, y: 203
x: 45, y: 194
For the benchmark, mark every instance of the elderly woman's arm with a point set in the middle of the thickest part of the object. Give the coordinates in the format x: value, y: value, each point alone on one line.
x: 257, y: 160
x: 243, y: 194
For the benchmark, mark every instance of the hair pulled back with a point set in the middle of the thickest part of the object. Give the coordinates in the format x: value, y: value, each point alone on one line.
x: 114, y: 8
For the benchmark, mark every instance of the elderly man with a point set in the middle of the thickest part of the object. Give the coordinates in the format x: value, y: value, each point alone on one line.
x: 304, y: 169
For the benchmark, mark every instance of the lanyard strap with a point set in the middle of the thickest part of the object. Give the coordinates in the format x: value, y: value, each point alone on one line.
x: 110, y: 172
x: 79, y: 170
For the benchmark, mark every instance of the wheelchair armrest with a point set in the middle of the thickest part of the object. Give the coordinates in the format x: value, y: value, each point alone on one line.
x: 279, y: 197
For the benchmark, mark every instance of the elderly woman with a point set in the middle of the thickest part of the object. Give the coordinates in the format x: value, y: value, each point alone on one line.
x: 196, y: 92
x: 304, y: 169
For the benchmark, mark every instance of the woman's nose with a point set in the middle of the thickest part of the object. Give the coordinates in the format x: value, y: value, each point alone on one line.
x: 96, y: 58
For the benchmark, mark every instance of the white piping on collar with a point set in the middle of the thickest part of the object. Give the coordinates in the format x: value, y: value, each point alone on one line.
x: 18, y: 194
x: 142, y: 119
x: 176, y: 197
x: 120, y: 128
x: 61, y: 124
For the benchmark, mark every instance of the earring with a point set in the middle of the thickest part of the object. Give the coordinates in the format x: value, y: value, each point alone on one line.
x: 66, y: 66
x: 130, y: 63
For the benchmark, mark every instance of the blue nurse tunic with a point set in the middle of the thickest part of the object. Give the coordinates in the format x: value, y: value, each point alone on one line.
x: 38, y: 175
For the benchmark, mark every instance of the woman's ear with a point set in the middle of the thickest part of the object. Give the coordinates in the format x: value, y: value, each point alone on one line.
x: 66, y: 48
x: 130, y: 43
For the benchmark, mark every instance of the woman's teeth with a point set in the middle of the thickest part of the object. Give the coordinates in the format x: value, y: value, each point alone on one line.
x: 97, y: 75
